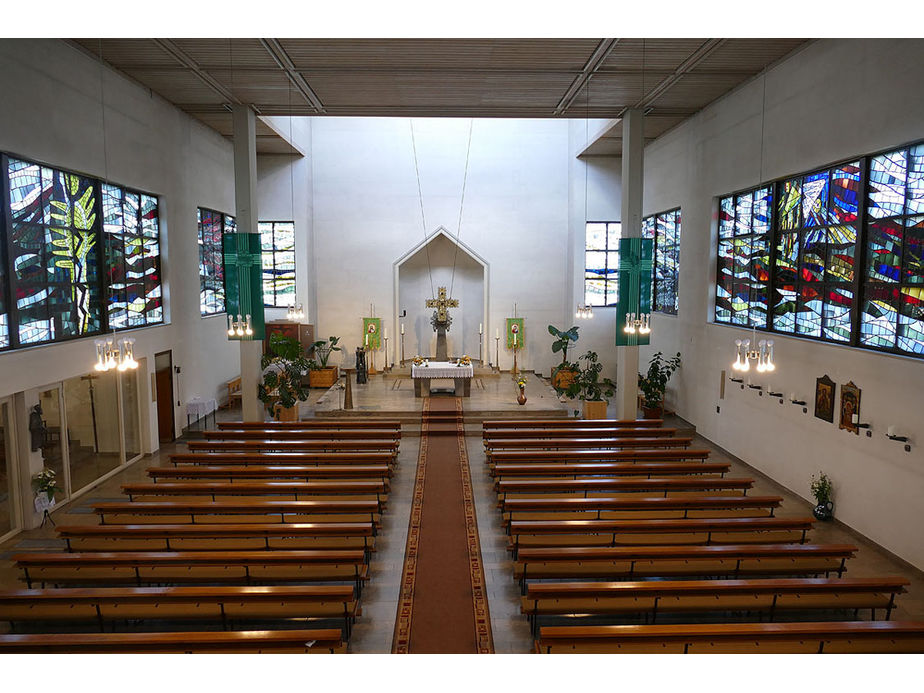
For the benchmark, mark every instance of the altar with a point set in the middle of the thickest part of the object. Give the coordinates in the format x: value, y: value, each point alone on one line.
x: 442, y: 370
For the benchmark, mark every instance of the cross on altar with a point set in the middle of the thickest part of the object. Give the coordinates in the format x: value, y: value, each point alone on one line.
x: 441, y: 303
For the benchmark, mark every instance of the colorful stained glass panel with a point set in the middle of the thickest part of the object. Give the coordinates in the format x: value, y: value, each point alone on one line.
x: 884, y: 250
x: 887, y: 176
x: 845, y: 193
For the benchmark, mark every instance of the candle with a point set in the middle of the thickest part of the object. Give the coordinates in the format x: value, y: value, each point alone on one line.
x: 856, y: 418
x: 385, y: 333
x: 514, y: 339
x: 480, y: 330
x: 893, y: 430
x: 402, y: 328
x: 496, y: 333
x: 792, y: 396
x: 367, y: 339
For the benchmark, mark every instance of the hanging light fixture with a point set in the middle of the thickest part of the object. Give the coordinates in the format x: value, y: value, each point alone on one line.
x: 295, y: 313
x: 240, y: 327
x: 637, y: 323
x: 118, y: 355
x: 747, y: 350
x: 584, y: 312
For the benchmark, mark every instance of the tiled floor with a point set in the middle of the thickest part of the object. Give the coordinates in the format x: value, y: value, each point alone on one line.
x: 374, y: 628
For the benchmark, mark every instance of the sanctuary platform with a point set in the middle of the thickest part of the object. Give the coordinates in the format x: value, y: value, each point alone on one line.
x: 493, y: 396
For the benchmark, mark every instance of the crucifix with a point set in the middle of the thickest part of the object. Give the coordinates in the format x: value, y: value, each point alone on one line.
x: 441, y: 320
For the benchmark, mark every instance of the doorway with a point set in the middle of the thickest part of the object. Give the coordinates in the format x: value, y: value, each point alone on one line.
x: 163, y: 384
x: 9, y: 510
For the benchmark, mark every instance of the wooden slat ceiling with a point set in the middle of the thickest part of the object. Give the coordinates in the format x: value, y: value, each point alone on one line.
x: 493, y: 78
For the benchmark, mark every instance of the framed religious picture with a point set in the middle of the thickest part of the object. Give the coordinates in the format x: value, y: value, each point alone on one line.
x: 516, y: 333
x: 824, y: 399
x: 850, y: 407
x: 372, y: 327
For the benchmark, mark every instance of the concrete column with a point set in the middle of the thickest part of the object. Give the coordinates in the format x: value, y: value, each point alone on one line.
x: 633, y: 151
x: 245, y: 195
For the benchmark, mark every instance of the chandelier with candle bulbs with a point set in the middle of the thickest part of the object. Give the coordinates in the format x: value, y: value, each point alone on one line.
x: 586, y: 312
x: 242, y: 327
x: 295, y: 313
x: 115, y: 355
x: 637, y: 323
x: 747, y: 350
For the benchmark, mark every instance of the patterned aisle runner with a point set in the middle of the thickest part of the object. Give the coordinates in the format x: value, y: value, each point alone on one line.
x: 443, y: 605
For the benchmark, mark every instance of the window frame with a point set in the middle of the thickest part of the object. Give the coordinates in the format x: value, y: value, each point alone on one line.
x: 859, y: 284
x: 678, y: 219
x: 274, y: 253
x: 220, y: 251
x: 609, y: 278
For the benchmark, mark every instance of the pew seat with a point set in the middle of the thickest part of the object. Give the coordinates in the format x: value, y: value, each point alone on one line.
x: 838, y: 637
x: 597, y: 432
x: 232, y: 473
x: 321, y: 641
x: 571, y: 423
x: 293, y: 445
x: 304, y: 434
x: 638, y: 507
x: 305, y: 459
x: 631, y: 455
x: 332, y: 423
x: 587, y: 470
x: 245, y: 511
x: 269, y: 490
x: 509, y: 488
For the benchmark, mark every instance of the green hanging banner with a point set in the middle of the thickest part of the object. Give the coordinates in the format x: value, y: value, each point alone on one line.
x: 243, y: 266
x: 516, y: 333
x: 634, y: 287
x: 372, y: 328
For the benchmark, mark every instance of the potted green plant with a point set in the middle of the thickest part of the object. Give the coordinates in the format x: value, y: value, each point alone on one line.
x: 821, y: 489
x: 590, y: 387
x: 564, y: 373
x: 319, y: 373
x: 283, y: 368
x: 654, y: 384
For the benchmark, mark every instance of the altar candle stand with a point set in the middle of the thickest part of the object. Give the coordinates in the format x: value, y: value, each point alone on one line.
x: 401, y: 361
x: 515, y: 371
x: 497, y: 354
x: 385, y: 339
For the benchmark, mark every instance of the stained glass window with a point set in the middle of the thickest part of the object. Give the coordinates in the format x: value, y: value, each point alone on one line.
x: 892, y: 311
x: 815, y: 251
x: 53, y: 232
x: 212, y: 225
x: 743, y: 270
x: 601, y: 263
x: 664, y: 229
x: 277, y: 239
x: 132, y: 231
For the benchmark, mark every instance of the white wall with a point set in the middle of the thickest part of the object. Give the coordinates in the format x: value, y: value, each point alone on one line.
x: 51, y: 113
x: 367, y: 215
x: 833, y: 100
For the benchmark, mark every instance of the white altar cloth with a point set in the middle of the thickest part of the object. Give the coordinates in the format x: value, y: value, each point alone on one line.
x: 442, y: 369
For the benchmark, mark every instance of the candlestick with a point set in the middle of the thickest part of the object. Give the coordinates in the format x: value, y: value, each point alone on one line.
x: 497, y: 353
x: 386, y: 368
x: 401, y: 362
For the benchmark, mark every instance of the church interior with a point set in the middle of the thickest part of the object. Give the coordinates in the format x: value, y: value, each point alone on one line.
x: 462, y: 346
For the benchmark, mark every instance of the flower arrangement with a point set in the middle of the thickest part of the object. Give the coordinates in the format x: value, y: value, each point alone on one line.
x: 466, y: 360
x: 821, y: 488
x: 521, y: 382
x: 45, y: 482
x: 418, y: 360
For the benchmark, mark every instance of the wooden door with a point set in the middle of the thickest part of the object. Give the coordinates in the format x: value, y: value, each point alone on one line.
x: 165, y: 425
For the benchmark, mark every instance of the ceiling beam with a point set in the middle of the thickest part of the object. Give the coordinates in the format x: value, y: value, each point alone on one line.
x: 192, y: 65
x: 602, y: 51
x: 278, y: 53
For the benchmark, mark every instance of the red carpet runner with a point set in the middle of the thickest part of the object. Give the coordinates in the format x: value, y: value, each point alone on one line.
x: 443, y: 605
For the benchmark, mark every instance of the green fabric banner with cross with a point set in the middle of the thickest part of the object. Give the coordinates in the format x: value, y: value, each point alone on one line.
x: 516, y: 333
x: 243, y: 265
x: 634, y: 287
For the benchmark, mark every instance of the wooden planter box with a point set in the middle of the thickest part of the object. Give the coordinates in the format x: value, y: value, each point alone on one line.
x: 594, y: 410
x: 324, y: 377
x: 286, y: 414
x: 562, y: 378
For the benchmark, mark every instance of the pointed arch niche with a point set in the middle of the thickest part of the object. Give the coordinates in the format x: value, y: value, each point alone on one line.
x: 412, y: 288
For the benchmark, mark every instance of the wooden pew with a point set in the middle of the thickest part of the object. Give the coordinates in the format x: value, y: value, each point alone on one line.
x: 522, y: 444
x: 508, y: 488
x: 705, y: 531
x: 332, y: 423
x: 220, y: 537
x: 193, y: 567
x: 571, y: 423
x: 326, y: 640
x: 304, y: 434
x: 232, y: 473
x: 238, y: 511
x: 298, y: 490
x: 578, y: 470
x: 765, y: 598
x: 500, y: 436
x: 573, y: 432
x: 736, y: 638
x: 634, y: 562
x: 105, y: 606
x: 642, y: 507
x: 293, y: 445
x: 625, y: 456
x: 280, y: 458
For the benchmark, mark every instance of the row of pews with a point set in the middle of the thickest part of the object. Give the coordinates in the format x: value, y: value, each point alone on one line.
x: 258, y: 539
x: 626, y: 539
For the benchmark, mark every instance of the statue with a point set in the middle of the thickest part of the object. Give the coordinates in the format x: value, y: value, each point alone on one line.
x: 441, y: 320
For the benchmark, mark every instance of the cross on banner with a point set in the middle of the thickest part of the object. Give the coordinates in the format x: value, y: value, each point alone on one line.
x: 441, y: 303
x: 243, y: 265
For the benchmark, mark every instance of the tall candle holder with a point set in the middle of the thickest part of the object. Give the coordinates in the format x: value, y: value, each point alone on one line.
x: 401, y: 362
x: 481, y: 348
x: 385, y: 368
x: 515, y: 370
x: 497, y: 354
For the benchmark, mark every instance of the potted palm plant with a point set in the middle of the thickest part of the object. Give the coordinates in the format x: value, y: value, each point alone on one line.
x: 283, y: 369
x: 564, y: 373
x: 821, y: 489
x: 590, y: 387
x: 319, y: 373
x: 654, y: 384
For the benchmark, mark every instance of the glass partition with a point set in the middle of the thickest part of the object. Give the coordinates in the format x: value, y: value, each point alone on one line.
x: 52, y: 449
x: 93, y: 432
x: 8, y: 519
